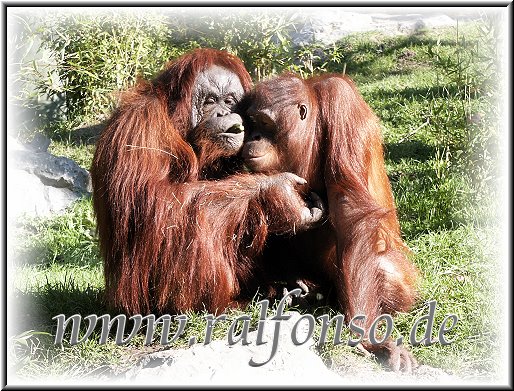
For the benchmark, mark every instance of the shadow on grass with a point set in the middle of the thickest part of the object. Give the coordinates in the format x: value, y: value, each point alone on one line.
x: 34, y: 310
x: 418, y: 94
x: 87, y: 135
x: 378, y: 47
x: 414, y: 149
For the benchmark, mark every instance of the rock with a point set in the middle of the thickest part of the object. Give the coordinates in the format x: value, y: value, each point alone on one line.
x: 40, y: 183
x: 54, y: 171
x: 408, y: 23
x: 427, y: 374
x: 359, y: 370
x: 220, y: 363
x: 329, y: 25
x: 39, y: 143
x: 28, y: 195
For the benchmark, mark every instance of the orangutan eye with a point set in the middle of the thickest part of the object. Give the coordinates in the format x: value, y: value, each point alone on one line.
x: 230, y: 101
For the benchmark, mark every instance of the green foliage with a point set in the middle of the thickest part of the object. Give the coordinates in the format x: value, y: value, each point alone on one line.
x: 82, y: 60
x: 93, y: 55
x: 437, y: 96
x: 314, y: 59
x: 259, y: 37
x: 69, y: 238
x: 469, y: 71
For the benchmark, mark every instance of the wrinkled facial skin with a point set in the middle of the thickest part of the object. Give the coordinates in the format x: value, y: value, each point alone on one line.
x: 216, y: 94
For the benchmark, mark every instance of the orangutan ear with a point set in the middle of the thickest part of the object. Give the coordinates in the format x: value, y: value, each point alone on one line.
x: 303, y: 111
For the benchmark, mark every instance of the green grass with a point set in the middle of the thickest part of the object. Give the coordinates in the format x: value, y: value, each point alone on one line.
x: 82, y: 155
x: 444, y: 186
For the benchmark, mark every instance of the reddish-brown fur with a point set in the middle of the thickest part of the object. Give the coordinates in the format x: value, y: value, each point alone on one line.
x: 359, y: 252
x: 171, y: 239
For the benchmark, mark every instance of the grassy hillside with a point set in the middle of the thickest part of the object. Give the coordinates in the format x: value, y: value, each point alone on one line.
x: 436, y: 93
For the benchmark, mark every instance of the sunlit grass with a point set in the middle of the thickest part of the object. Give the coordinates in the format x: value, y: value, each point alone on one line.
x: 446, y: 202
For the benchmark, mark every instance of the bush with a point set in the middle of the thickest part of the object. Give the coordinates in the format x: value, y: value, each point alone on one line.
x: 260, y: 38
x: 94, y: 55
x: 469, y: 75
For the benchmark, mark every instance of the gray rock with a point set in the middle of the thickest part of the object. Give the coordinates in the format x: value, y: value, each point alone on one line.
x: 362, y: 371
x: 220, y: 363
x: 55, y: 171
x: 327, y: 26
x: 330, y: 25
x: 28, y: 195
x: 40, y: 183
x: 39, y: 143
x: 408, y: 23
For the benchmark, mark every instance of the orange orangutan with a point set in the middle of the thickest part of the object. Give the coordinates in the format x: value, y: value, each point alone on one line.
x: 322, y: 130
x: 179, y: 229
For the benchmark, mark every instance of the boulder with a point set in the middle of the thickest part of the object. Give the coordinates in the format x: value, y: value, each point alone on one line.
x: 40, y: 183
x: 327, y: 26
x: 221, y: 363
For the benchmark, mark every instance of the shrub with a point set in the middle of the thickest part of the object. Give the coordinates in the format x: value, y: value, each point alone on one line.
x: 92, y: 55
x: 469, y: 73
x: 260, y: 38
